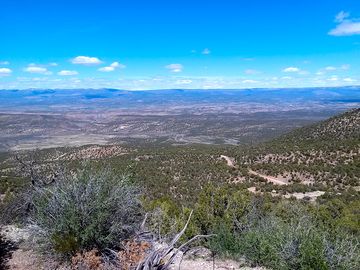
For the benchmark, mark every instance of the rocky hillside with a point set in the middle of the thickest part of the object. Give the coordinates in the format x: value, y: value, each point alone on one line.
x: 340, y: 127
x: 309, y: 159
x: 325, y: 155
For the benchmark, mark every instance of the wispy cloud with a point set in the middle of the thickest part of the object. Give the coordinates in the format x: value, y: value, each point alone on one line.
x: 117, y: 65
x: 5, y: 71
x: 175, y: 67
x: 206, y: 51
x: 346, y: 26
x: 330, y: 68
x: 291, y: 69
x: 252, y: 72
x: 5, y: 63
x: 106, y: 69
x: 184, y: 81
x: 349, y: 80
x: 86, y: 60
x: 249, y: 81
x: 112, y: 67
x: 333, y: 78
x: 33, y: 68
x: 341, y: 16
x: 174, y: 81
x: 67, y: 73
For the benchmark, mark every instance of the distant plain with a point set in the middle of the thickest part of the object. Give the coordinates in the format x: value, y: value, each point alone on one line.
x: 53, y: 118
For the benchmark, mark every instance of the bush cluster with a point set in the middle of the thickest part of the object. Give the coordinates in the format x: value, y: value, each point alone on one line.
x: 272, y: 232
x: 87, y: 209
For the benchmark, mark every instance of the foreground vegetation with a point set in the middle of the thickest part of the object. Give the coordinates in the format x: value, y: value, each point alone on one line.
x: 83, y: 212
x: 277, y: 233
x: 87, y: 210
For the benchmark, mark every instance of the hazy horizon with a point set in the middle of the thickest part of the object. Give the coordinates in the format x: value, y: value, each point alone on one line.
x: 138, y: 45
x: 187, y: 89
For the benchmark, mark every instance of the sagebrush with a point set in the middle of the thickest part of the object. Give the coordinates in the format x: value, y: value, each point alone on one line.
x: 86, y: 209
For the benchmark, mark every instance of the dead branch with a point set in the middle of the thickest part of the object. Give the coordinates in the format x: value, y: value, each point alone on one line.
x: 163, y: 257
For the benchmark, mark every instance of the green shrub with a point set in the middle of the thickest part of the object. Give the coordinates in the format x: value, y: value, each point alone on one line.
x: 218, y: 207
x: 270, y: 231
x: 298, y: 244
x: 285, y: 235
x: 88, y: 209
x: 225, y: 242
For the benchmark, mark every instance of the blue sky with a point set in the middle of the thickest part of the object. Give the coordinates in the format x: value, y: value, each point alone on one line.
x: 179, y: 44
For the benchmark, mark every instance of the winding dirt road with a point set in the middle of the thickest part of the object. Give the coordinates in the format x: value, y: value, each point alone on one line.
x: 271, y: 179
x: 229, y: 161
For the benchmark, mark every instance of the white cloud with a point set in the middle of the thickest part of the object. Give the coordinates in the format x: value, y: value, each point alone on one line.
x: 346, y: 26
x: 106, y: 69
x: 341, y: 16
x: 67, y: 73
x: 346, y: 29
x: 5, y: 63
x: 249, y: 81
x: 175, y: 67
x: 86, y: 60
x: 333, y: 79
x: 117, y: 65
x: 252, y: 72
x: 112, y: 67
x: 304, y: 72
x: 291, y: 69
x: 206, y: 51
x: 5, y: 71
x: 350, y: 80
x: 32, y: 68
x: 330, y: 68
x: 184, y: 81
x: 53, y: 64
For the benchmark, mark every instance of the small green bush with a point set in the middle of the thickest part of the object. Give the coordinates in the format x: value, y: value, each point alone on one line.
x: 296, y: 243
x: 87, y: 209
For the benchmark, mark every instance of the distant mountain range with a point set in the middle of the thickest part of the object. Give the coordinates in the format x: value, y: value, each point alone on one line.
x: 52, y: 99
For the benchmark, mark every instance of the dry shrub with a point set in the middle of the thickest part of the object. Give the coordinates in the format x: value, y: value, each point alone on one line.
x: 134, y: 252
x: 89, y: 260
x: 142, y: 252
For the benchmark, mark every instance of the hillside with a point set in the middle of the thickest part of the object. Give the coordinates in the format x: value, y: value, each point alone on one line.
x: 306, y: 160
x: 325, y: 155
x: 340, y: 127
x: 236, y: 192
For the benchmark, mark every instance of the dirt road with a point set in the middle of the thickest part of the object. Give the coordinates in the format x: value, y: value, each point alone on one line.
x: 271, y: 179
x: 229, y: 161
